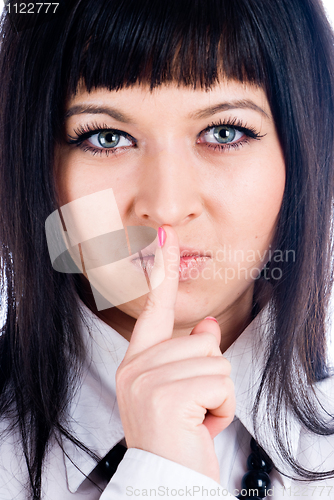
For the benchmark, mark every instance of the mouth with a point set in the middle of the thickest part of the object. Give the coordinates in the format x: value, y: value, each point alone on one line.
x: 192, y: 262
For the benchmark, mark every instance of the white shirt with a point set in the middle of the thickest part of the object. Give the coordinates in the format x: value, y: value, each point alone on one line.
x: 95, y: 420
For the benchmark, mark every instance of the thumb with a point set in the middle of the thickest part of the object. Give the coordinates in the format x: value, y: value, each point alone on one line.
x: 209, y: 325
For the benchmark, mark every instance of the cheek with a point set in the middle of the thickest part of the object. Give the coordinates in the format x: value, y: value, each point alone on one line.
x: 252, y: 200
x: 272, y: 186
x: 76, y: 179
x: 69, y: 183
x: 265, y: 194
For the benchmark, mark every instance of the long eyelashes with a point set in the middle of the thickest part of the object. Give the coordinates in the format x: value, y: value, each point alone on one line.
x: 234, y: 123
x: 84, y: 132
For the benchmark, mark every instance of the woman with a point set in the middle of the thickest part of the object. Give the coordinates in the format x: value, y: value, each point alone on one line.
x: 210, y: 123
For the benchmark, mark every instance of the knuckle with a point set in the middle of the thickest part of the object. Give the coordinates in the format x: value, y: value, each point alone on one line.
x: 224, y: 384
x: 138, y: 388
x: 209, y: 342
x: 148, y: 389
x: 124, y: 375
x: 227, y: 366
x: 224, y: 391
x: 229, y: 385
x: 159, y: 398
x: 156, y: 397
x: 143, y: 384
x: 223, y: 365
x: 130, y: 369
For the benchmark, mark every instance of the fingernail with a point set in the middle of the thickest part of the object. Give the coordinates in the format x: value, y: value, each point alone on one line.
x: 162, y: 236
x: 211, y: 317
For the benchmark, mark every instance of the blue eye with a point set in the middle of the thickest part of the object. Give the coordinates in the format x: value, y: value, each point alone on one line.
x: 109, y: 139
x: 223, y: 134
x: 101, y: 140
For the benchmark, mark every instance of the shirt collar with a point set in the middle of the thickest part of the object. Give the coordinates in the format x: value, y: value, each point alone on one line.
x: 248, y: 357
x: 94, y: 414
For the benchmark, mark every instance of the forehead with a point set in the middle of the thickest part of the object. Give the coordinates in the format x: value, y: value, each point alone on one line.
x: 169, y: 99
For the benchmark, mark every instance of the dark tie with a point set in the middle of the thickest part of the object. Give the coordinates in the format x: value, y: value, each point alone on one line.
x: 108, y: 465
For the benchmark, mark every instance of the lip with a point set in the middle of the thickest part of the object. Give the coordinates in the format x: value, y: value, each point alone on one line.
x: 192, y: 261
x: 188, y: 251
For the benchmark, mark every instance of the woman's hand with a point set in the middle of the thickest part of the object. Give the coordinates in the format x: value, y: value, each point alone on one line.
x: 174, y: 394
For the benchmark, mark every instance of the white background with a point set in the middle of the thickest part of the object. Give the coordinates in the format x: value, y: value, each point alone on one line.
x: 329, y: 6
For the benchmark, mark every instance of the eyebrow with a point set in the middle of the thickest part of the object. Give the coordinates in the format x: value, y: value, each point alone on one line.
x: 95, y: 109
x: 224, y: 106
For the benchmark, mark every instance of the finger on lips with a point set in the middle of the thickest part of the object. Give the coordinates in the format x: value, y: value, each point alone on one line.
x: 155, y: 323
x: 164, y: 381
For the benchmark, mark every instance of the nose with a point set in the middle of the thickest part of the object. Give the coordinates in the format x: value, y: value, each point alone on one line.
x: 169, y: 190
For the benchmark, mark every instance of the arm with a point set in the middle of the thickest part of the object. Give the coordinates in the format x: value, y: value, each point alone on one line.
x: 142, y: 474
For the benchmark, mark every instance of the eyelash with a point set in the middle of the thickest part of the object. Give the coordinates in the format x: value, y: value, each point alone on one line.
x: 84, y: 132
x: 236, y: 124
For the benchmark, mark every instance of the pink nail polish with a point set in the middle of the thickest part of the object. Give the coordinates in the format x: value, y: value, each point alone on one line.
x: 162, y: 236
x: 211, y: 317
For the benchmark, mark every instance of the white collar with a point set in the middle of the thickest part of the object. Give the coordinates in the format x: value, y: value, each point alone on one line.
x: 248, y: 358
x: 94, y: 414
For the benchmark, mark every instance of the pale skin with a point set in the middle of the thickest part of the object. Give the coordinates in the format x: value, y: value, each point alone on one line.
x: 167, y: 172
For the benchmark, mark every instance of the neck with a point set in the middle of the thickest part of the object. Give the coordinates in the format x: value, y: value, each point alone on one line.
x: 232, y: 321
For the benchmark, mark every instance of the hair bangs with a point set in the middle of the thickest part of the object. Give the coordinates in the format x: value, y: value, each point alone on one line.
x: 119, y: 44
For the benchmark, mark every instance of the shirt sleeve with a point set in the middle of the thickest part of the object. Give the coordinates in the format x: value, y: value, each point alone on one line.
x: 142, y: 474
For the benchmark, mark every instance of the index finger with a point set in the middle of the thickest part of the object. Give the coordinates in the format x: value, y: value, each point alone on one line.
x: 156, y: 321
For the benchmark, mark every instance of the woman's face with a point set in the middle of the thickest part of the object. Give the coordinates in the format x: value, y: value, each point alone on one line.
x: 207, y: 163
